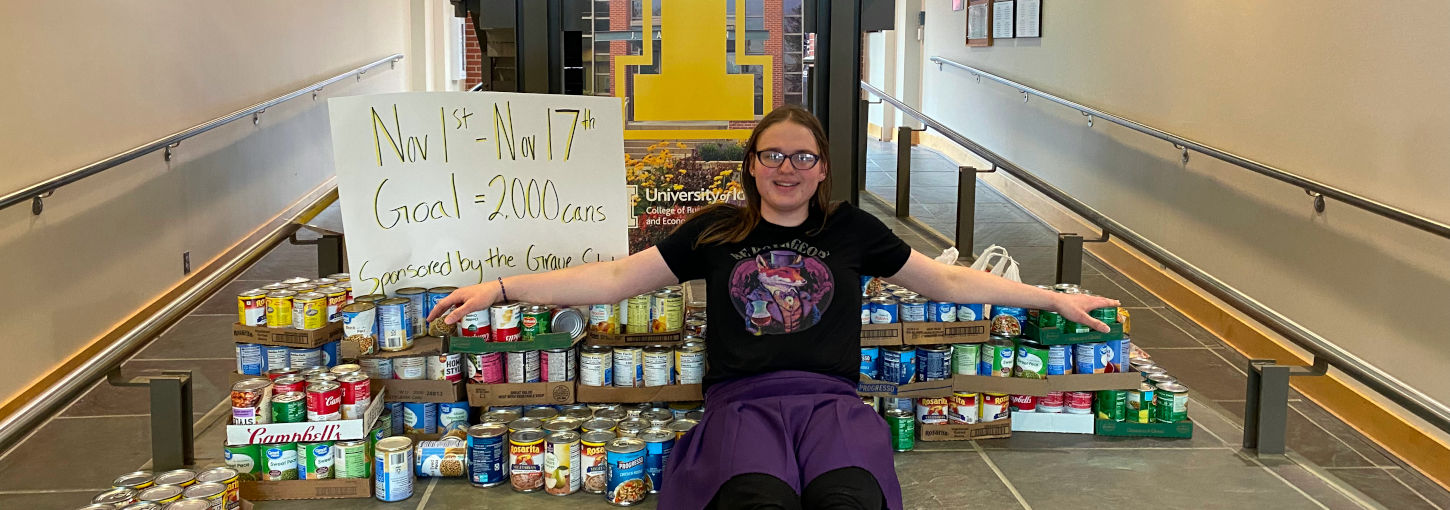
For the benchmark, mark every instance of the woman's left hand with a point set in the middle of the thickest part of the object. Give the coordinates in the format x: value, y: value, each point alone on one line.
x: 1075, y: 307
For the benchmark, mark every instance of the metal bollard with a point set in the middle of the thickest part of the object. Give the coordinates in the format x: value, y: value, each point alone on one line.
x: 172, y: 441
x: 1266, y: 402
x: 903, y: 171
x: 1069, y: 256
x: 331, y: 250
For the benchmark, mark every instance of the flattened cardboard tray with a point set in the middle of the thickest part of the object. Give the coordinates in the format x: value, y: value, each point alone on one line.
x: 880, y: 334
x: 333, y: 488
x: 477, y: 345
x: 286, y: 337
x: 1180, y: 430
x: 1055, y: 336
x: 1060, y: 423
x: 400, y: 390
x: 937, y: 333
x: 639, y: 339
x: 1039, y: 387
x: 541, y: 393
x: 339, y: 430
x: 874, y: 388
x: 964, y: 432
x: 610, y: 394
x: 422, y: 346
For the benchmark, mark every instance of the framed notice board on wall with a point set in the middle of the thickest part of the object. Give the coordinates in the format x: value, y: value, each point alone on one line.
x: 1002, y: 21
x: 1029, y: 18
x: 979, y: 23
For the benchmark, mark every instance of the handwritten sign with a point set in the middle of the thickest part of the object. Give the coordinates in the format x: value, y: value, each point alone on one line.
x: 456, y: 188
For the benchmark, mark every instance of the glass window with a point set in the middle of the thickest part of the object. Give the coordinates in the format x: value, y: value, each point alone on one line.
x: 792, y: 83
x: 754, y: 23
x: 754, y: 47
x: 601, y: 47
x: 602, y: 84
x: 791, y: 7
x: 601, y: 25
x: 791, y: 24
x: 794, y: 99
x: 793, y: 44
x: 754, y: 7
x: 792, y: 62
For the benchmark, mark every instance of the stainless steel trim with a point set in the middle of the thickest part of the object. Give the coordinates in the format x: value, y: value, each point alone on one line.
x: 1430, y: 225
x: 49, y: 185
x: 1433, y: 411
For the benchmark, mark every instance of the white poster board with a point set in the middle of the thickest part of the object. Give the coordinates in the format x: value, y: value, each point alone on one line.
x: 458, y: 188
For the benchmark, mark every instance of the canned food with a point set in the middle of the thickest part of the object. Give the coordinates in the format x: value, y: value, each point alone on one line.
x: 526, y: 424
x: 115, y: 497
x: 658, y: 417
x: 1050, y: 403
x: 1111, y: 404
x: 395, y: 333
x: 1077, y: 402
x: 453, y: 416
x: 246, y: 459
x: 593, y: 461
x: 526, y: 460
x: 212, y: 494
x: 690, y: 362
x: 251, y: 359
x: 596, y: 366
x: 1160, y: 378
x: 434, y: 295
x: 486, y: 455
x: 912, y: 309
x: 1115, y: 354
x: 562, y: 475
x: 556, y: 365
x: 276, y: 359
x: 637, y: 314
x: 883, y: 310
x: 1046, y: 319
x: 475, y: 324
x: 594, y: 424
x: 1032, y: 360
x: 628, y: 367
x: 569, y: 321
x: 667, y: 311
x: 932, y: 410
x: 870, y: 362
x: 604, y: 318
x: 902, y: 403
x: 962, y: 408
x: 535, y: 321
x: 902, y: 425
x: 1107, y: 314
x: 625, y: 480
x: 289, y: 407
x: 938, y: 311
x: 1023, y: 403
x: 1170, y: 403
x: 252, y: 401
x: 314, y: 460
x: 1007, y: 320
x: 933, y: 363
x: 420, y: 418
x: 360, y: 327
x: 971, y: 312
x: 369, y: 298
x: 542, y: 413
x: 345, y: 369
x: 506, y: 323
x: 444, y: 367
x: 485, y: 368
x: 394, y: 410
x: 309, y: 311
x: 350, y: 459
x: 631, y: 427
x: 177, y: 477
x: 393, y: 469
x: 279, y: 308
x: 612, y: 413
x: 230, y: 481
x: 997, y: 357
x: 504, y: 416
x: 302, y: 288
x: 964, y: 358
x: 252, y: 308
x: 522, y: 367
x: 281, y: 461
x: 411, y: 368
x: 356, y: 395
x: 336, y: 299
x: 300, y: 358
x: 417, y: 298
x: 659, y: 366
x: 993, y: 407
x: 1140, y: 404
x: 445, y: 458
x: 1091, y: 358
x: 324, y: 401
x: 658, y: 444
x: 898, y: 364
x: 160, y: 494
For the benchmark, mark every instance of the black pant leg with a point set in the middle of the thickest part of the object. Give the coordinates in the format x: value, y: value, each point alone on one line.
x: 755, y: 491
x: 850, y: 488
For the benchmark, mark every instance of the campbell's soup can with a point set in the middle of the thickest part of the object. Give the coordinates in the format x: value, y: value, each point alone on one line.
x: 1051, y: 403
x: 475, y: 325
x: 1078, y: 402
x: 444, y: 367
x: 932, y: 411
x: 324, y: 401
x: 1024, y: 403
x: 506, y: 322
x: 289, y: 383
x: 993, y: 407
x: 962, y: 408
x: 252, y: 308
x: 484, y: 368
x: 356, y: 395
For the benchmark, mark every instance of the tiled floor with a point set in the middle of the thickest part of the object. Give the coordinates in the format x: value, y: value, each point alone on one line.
x: 105, y: 433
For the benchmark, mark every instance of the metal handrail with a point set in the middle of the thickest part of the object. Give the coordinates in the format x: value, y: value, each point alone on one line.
x: 1430, y: 225
x: 1433, y: 411
x: 45, y: 188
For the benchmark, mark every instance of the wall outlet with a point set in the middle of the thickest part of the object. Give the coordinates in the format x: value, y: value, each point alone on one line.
x: 186, y: 263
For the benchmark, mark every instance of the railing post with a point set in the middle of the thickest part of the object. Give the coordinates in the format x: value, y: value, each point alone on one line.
x: 903, y: 172
x: 1266, y: 402
x: 966, y: 208
x: 172, y: 445
x: 1069, y: 258
x: 331, y: 250
x: 864, y: 106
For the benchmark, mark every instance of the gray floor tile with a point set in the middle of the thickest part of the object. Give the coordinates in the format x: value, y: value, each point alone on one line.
x: 1104, y: 286
x: 1202, y: 371
x: 195, y: 336
x: 457, y: 493
x: 949, y: 480
x: 1345, y: 433
x: 1311, y: 442
x: 1041, y: 441
x: 48, y: 500
x: 998, y: 212
x: 1151, y: 330
x: 933, y: 195
x: 1332, y: 493
x: 210, y: 383
x: 92, y: 452
x: 284, y: 262
x: 1206, y: 479
x: 948, y: 179
x: 1013, y: 235
x: 1382, y: 487
x: 1435, y: 493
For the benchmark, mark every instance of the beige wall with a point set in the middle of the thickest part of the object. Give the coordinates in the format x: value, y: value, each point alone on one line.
x: 1352, y: 96
x: 87, y: 79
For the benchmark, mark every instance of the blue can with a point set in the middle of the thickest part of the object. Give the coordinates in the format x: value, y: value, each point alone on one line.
x: 937, y: 311
x: 883, y: 310
x: 487, y: 454
x: 395, y: 411
x: 278, y: 357
x: 898, y: 364
x: 1091, y: 358
x: 865, y: 309
x: 302, y: 359
x: 435, y: 295
x: 395, y: 332
x: 1118, y: 352
x: 420, y: 418
x: 933, y: 362
x: 393, y: 469
x: 870, y: 362
x: 453, y: 416
x: 1008, y: 320
x: 251, y: 360
x: 329, y: 353
x: 1059, y: 359
x: 967, y: 312
x: 912, y: 309
x: 657, y: 447
x: 625, y: 482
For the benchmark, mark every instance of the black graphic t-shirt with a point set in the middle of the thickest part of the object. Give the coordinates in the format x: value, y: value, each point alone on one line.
x: 784, y: 299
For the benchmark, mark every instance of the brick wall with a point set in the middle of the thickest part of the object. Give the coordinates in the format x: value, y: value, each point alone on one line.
x: 775, y: 46
x: 472, y: 55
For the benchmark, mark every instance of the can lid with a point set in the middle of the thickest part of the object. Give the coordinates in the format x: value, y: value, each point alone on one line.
x: 188, y: 504
x: 898, y: 413
x: 358, y: 307
x: 394, y: 444
x: 577, y: 413
x: 501, y: 416
x: 564, y: 436
x: 133, y: 479
x: 1172, y: 387
x: 331, y: 290
x: 315, y: 386
x: 103, y: 506
x: 527, y: 435
x: 290, y: 396
x: 311, y: 295
x: 353, y: 377
x: 635, y: 424
x: 624, y: 445
x: 340, y: 276
x: 252, y: 383
x: 542, y: 413
x: 351, y: 442
x: 682, y: 424
x: 408, y: 291
x: 568, y: 320
x: 393, y: 301
x: 526, y: 423
x: 281, y: 293
x: 202, y: 490
x: 442, y: 290
x: 488, y: 429
x: 159, y: 493
x: 656, y: 436
x: 118, y: 495
x: 558, y: 425
x: 597, y: 436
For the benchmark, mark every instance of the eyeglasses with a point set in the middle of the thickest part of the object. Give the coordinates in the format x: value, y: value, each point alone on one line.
x: 800, y: 160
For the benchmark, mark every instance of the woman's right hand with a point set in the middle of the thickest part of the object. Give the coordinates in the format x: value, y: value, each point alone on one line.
x: 465, y: 300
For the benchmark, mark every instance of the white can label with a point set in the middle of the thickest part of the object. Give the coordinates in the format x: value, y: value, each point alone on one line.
x: 659, y: 368
x: 596, y: 369
x: 393, y: 476
x: 627, y: 368
x: 691, y: 367
x: 413, y: 368
x: 377, y: 368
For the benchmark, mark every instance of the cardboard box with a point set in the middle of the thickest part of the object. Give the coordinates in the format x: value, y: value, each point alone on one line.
x: 399, y: 390
x: 874, y: 388
x: 671, y: 393
x: 339, y: 430
x: 964, y: 432
x: 1039, y: 387
x: 334, y: 488
x: 1060, y: 423
x: 1055, y: 336
x: 635, y: 339
x: 1180, y: 430
x: 422, y: 346
x: 937, y: 333
x: 478, y: 345
x: 542, y: 393
x: 287, y: 337
x: 880, y: 334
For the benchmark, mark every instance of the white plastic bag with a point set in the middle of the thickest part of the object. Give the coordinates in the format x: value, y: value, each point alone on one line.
x: 948, y: 256
x: 997, y: 261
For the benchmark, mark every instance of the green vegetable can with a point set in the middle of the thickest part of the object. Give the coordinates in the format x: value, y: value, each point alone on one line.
x: 281, y: 461
x: 1170, y: 403
x: 350, y: 459
x: 314, y: 460
x: 902, y: 424
x: 247, y: 460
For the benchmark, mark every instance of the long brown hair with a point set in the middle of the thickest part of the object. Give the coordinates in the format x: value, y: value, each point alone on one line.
x: 743, y: 219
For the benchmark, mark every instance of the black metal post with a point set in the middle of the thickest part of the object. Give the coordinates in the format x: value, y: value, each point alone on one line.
x: 331, y: 249
x: 1069, y: 258
x: 966, y: 208
x: 1266, y: 406
x: 903, y: 172
x: 863, y: 117
x: 172, y: 435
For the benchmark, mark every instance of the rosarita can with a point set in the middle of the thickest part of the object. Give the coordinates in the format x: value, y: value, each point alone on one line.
x: 962, y: 408
x: 526, y: 460
x: 252, y: 308
x: 993, y: 407
x: 625, y: 480
x: 932, y: 410
x: 593, y: 461
x: 487, y: 457
x: 393, y: 469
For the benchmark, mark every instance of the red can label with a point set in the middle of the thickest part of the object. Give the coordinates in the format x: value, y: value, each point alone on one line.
x: 1024, y: 403
x: 1078, y: 402
x: 356, y: 392
x: 931, y: 411
x: 289, y: 383
x: 506, y: 323
x: 324, y: 402
x: 475, y: 324
x: 484, y: 368
x: 1052, y: 403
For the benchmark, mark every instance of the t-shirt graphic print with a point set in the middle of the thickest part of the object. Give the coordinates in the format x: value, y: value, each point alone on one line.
x: 780, y: 291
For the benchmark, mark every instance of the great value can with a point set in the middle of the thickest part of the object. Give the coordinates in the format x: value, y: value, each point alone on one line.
x: 309, y: 311
x: 1007, y: 320
x: 417, y: 298
x: 393, y: 469
x: 964, y: 358
x: 659, y: 366
x: 522, y: 367
x: 690, y: 362
x: 556, y: 365
x: 453, y: 416
x: 658, y: 444
x: 394, y: 410
x: 1059, y: 359
x: 281, y: 461
x: 870, y: 362
x: 395, y: 333
x: 324, y: 401
x: 484, y: 368
x: 350, y: 459
x: 506, y: 323
x: 356, y: 395
x: 412, y: 368
x: 526, y: 460
x: 932, y: 410
x: 420, y: 418
x: 1091, y: 358
x: 252, y: 308
x: 534, y: 321
x: 902, y: 425
x: 912, y: 309
x: 993, y: 407
x: 628, y: 367
x: 487, y: 459
x: 937, y: 311
x: 289, y: 407
x: 596, y: 366
x: 561, y: 463
x: 246, y: 459
x: 434, y: 295
x: 1032, y: 360
x: 444, y: 367
x: 933, y: 363
x: 593, y: 461
x: 475, y: 324
x: 962, y: 408
x: 898, y: 364
x: 967, y: 312
x: 279, y: 308
x: 300, y: 358
x: 1115, y: 354
x: 997, y: 357
x: 883, y: 310
x: 625, y: 480
x: 314, y: 460
x: 360, y: 327
x: 444, y: 458
x: 251, y: 360
x: 865, y: 309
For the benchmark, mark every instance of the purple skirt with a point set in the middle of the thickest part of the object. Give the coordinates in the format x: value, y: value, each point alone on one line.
x: 790, y: 424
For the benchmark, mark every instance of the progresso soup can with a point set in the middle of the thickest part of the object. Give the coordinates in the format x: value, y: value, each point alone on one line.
x: 625, y: 480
